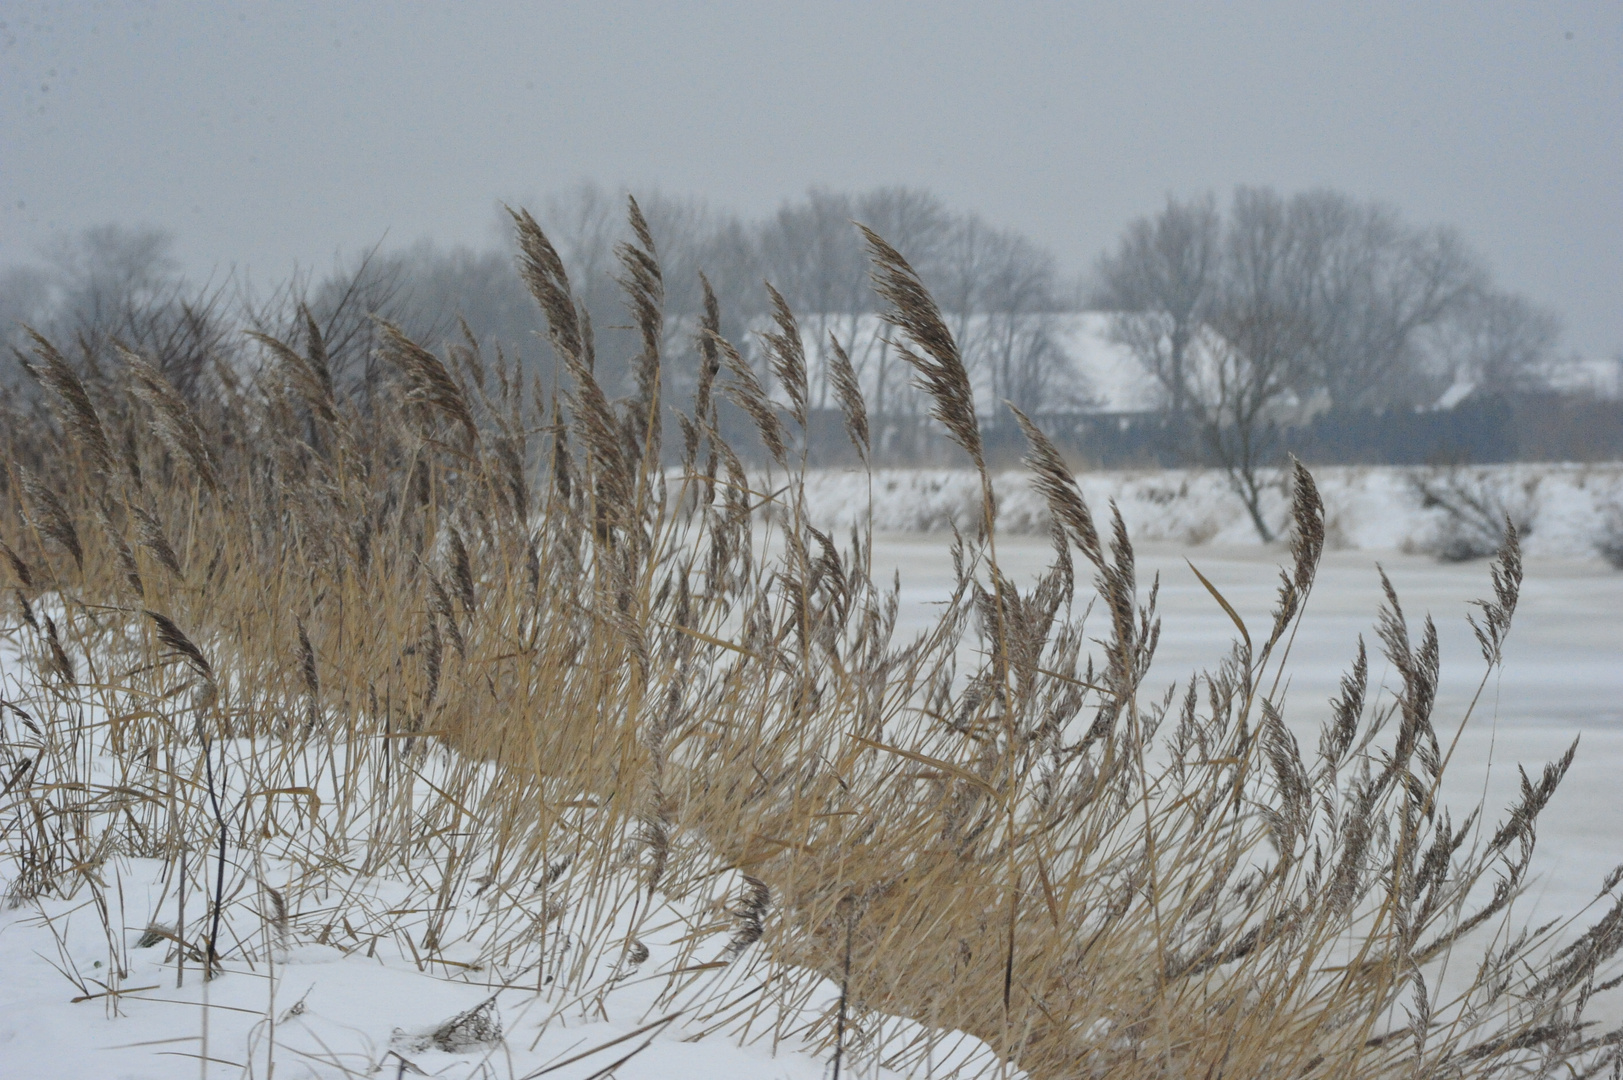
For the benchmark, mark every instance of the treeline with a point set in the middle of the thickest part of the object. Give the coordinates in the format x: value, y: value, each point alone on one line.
x: 114, y: 282
x: 1257, y: 320
x: 1245, y: 319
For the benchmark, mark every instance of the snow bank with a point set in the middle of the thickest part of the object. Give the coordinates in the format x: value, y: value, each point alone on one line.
x: 1570, y: 507
x: 326, y: 967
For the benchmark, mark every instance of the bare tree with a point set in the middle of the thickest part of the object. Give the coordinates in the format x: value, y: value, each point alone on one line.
x: 477, y: 288
x: 1160, y: 283
x: 584, y: 223
x: 1017, y: 294
x: 588, y: 221
x: 812, y: 255
x: 1377, y: 286
x: 108, y: 270
x: 346, y: 304
x: 1259, y: 345
x: 112, y: 284
x: 1292, y: 305
x: 25, y: 300
x: 1218, y: 315
x: 1502, y: 343
x: 1373, y: 289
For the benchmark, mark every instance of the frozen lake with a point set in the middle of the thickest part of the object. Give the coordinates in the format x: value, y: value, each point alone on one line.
x: 1563, y: 672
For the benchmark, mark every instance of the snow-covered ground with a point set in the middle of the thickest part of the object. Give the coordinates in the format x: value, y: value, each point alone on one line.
x: 1367, y: 508
x: 365, y: 1003
x: 326, y: 964
x: 328, y: 1011
x: 340, y: 1009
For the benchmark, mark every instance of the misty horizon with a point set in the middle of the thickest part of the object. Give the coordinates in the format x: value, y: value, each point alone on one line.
x: 273, y: 138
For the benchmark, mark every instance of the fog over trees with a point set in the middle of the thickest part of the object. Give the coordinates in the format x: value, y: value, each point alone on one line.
x: 1345, y: 299
x: 1248, y: 316
x: 1285, y: 307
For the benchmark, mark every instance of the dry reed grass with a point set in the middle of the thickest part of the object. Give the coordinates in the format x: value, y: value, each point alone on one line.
x: 495, y: 647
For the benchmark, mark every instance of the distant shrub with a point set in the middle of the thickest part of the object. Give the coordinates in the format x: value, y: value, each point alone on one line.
x: 1610, y: 541
x: 1476, y: 506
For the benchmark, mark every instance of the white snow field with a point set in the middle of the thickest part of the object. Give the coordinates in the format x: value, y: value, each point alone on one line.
x: 330, y: 1011
x: 365, y: 1003
x: 319, y: 1012
x: 1570, y: 507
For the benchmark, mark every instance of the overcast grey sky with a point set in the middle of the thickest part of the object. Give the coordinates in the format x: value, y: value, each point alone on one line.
x: 267, y: 134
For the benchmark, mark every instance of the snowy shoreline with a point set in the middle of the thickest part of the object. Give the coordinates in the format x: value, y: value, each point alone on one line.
x: 1570, y: 506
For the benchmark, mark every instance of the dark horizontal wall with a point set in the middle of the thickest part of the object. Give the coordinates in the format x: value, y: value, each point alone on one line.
x: 1480, y: 430
x: 1554, y: 427
x: 1476, y: 431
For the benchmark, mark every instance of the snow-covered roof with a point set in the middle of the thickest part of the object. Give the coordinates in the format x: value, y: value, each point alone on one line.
x: 1603, y: 378
x: 1119, y: 382
x: 1100, y: 374
x: 1454, y: 395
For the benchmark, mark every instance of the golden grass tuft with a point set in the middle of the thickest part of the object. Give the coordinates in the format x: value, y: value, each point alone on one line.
x: 666, y: 672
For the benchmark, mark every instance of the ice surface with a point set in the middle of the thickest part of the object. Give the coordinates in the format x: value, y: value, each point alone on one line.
x: 1562, y: 677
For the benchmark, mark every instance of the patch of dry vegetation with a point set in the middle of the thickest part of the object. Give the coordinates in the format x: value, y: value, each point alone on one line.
x: 992, y: 828
x: 1474, y: 510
